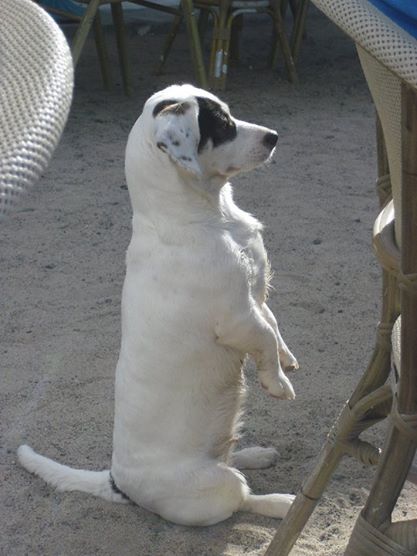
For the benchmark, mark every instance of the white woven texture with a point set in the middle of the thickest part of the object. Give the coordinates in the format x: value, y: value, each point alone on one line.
x: 376, y: 34
x: 385, y: 88
x: 36, y: 82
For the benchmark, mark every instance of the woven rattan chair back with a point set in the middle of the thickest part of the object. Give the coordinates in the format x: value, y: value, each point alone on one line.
x: 36, y: 81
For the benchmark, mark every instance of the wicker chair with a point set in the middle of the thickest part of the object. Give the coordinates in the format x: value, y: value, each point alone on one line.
x: 184, y: 10
x: 224, y: 13
x: 91, y: 18
x: 389, y: 59
x: 36, y: 81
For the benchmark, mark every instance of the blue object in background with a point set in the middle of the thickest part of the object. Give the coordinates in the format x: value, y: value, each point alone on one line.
x: 401, y: 12
x: 65, y: 5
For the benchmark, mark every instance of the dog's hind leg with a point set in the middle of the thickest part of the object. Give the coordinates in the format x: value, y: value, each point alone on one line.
x: 202, y: 496
x: 210, y: 494
x: 272, y: 505
x: 255, y: 457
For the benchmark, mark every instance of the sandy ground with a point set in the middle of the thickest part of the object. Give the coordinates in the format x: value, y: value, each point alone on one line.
x: 62, y: 265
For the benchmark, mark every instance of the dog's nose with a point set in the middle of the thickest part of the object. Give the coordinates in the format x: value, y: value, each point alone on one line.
x: 270, y: 139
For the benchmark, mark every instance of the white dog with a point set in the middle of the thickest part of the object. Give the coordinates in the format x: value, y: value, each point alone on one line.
x: 193, y: 306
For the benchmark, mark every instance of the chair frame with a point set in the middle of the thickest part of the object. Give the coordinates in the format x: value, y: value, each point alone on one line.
x: 91, y: 18
x: 186, y: 11
x: 299, y: 10
x: 37, y: 87
x: 401, y: 441
x: 374, y: 533
x: 224, y: 15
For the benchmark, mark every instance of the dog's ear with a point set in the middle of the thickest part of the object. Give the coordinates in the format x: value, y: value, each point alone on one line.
x: 177, y: 133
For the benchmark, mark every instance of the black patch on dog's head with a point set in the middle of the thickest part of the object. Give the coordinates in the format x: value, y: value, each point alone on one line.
x: 214, y: 123
x: 173, y: 106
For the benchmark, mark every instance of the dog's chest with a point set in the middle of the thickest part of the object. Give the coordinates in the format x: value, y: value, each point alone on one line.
x: 246, y: 236
x: 254, y: 261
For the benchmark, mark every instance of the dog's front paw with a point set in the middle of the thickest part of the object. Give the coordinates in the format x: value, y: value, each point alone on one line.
x: 278, y: 386
x: 288, y: 361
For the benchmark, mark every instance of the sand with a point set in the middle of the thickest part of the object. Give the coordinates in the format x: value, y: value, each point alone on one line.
x: 62, y: 266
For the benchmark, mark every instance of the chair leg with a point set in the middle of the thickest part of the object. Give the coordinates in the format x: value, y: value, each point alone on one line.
x: 213, y: 49
x: 169, y: 42
x: 284, y: 7
x: 220, y: 46
x: 342, y: 440
x: 102, y: 52
x: 196, y: 52
x: 225, y: 49
x: 282, y: 41
x: 299, y: 27
x: 117, y: 14
x: 202, y: 24
x: 235, y: 37
x: 83, y: 29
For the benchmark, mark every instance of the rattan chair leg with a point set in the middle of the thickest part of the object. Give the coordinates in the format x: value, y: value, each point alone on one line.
x: 303, y: 505
x: 212, y: 63
x: 90, y: 18
x: 203, y: 17
x: 168, y: 43
x: 342, y: 440
x: 102, y: 52
x: 236, y: 32
x: 390, y: 540
x: 294, y: 5
x: 380, y: 364
x: 195, y: 44
x: 284, y: 7
x: 282, y: 41
x: 117, y: 14
x: 226, y: 45
x: 83, y: 29
x: 299, y: 28
x: 221, y: 38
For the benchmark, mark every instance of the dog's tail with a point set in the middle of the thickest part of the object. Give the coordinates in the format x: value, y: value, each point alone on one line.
x: 64, y: 478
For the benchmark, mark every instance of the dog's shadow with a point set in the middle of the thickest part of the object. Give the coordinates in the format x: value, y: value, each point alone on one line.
x: 243, y: 533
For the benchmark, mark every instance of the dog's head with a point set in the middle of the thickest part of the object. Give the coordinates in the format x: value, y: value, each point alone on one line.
x: 196, y: 132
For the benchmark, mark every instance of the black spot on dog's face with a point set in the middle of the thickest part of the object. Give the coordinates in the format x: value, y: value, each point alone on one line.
x: 214, y: 123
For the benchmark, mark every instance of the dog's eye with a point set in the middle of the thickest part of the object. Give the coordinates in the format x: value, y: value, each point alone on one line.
x: 214, y: 123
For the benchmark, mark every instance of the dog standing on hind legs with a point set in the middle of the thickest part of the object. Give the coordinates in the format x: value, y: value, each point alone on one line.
x: 193, y: 305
